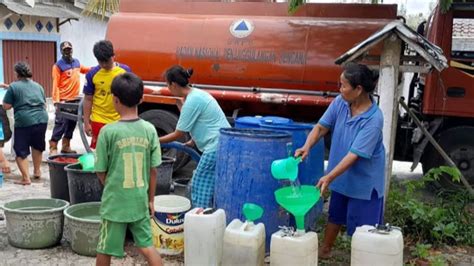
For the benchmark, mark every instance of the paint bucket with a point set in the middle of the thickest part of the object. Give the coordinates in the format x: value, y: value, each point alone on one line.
x: 168, y: 223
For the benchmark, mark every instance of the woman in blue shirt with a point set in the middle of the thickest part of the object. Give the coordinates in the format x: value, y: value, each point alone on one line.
x: 355, y: 173
x: 201, y: 117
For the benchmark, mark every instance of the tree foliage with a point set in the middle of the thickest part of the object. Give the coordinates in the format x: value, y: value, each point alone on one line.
x: 101, y: 7
x: 444, y: 4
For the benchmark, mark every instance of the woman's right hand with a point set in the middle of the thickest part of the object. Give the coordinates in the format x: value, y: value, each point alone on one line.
x: 303, y: 152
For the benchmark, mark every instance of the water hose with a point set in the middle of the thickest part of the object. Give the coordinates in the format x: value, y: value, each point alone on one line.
x: 80, y: 124
x: 182, y: 147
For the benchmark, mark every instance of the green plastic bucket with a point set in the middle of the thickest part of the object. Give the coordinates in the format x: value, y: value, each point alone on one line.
x: 34, y: 223
x: 82, y: 222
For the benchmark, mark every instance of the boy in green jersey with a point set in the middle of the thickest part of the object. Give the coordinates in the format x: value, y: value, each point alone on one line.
x: 127, y: 154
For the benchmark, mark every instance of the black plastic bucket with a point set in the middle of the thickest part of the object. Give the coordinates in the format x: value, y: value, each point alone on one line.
x: 164, y: 177
x: 182, y: 187
x: 84, y: 186
x: 58, y: 177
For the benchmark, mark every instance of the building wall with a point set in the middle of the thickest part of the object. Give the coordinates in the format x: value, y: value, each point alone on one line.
x: 83, y: 34
x: 29, y: 29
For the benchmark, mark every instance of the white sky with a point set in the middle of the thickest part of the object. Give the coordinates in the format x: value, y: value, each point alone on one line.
x: 412, y: 6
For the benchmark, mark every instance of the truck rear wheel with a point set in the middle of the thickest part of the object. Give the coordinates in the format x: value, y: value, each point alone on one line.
x: 165, y: 123
x: 458, y: 143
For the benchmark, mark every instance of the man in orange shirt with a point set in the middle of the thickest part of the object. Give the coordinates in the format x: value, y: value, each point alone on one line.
x: 66, y: 82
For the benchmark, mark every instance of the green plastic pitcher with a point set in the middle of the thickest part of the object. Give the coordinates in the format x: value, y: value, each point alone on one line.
x: 252, y: 211
x: 286, y: 168
x: 87, y: 161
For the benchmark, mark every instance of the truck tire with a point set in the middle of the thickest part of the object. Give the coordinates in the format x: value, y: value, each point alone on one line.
x: 165, y: 123
x: 458, y: 143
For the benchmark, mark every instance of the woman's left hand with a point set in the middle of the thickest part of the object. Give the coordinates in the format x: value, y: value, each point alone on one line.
x: 3, y: 85
x: 323, y: 184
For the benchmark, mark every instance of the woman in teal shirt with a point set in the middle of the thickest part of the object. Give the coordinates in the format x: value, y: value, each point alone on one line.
x: 201, y: 117
x: 27, y: 99
x: 355, y: 173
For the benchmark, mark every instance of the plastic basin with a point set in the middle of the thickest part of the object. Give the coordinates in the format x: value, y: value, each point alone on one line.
x: 82, y: 222
x: 35, y: 223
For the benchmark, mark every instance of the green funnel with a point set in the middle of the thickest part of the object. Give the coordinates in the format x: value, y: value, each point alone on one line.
x: 297, y: 201
x: 286, y: 168
x: 252, y: 211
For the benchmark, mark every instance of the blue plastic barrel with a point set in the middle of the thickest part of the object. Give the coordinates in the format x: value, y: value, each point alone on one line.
x: 276, y: 120
x: 247, y: 122
x: 244, y: 158
x: 255, y: 121
x: 312, y: 168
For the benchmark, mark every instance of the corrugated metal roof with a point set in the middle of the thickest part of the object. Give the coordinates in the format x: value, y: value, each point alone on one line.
x: 40, y: 10
x: 430, y: 52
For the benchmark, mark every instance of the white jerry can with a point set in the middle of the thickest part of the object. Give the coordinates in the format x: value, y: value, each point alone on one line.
x: 381, y: 245
x: 294, y: 248
x: 244, y: 244
x: 203, y: 237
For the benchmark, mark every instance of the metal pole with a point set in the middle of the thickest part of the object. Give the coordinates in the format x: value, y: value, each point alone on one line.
x: 436, y: 145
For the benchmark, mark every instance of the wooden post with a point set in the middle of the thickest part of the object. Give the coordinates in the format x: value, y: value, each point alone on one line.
x: 389, y: 94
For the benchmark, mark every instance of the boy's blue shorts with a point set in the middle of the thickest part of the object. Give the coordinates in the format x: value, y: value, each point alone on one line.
x: 355, y: 212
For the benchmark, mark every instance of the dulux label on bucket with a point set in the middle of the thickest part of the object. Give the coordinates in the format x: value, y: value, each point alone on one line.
x: 167, y: 229
x: 170, y: 219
